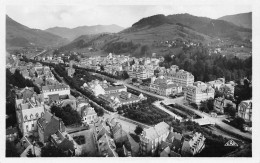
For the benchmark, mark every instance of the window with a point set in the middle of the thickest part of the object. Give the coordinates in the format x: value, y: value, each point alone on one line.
x: 25, y: 118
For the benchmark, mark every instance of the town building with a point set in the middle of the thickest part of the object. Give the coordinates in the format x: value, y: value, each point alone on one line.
x: 106, y: 146
x: 64, y: 142
x: 29, y: 108
x: 27, y: 144
x: 116, y: 100
x: 60, y: 89
x: 88, y: 114
x: 217, y: 83
x: 70, y: 69
x: 245, y: 110
x: 47, y: 125
x: 164, y: 87
x: 152, y: 137
x: 198, y: 92
x: 221, y: 103
x: 193, y: 144
x: 179, y: 77
x: 140, y: 72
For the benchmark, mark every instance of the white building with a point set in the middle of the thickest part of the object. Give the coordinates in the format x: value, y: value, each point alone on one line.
x: 198, y: 92
x: 164, y: 87
x: 193, y: 144
x: 29, y: 108
x: 245, y: 110
x: 180, y: 77
x: 60, y: 89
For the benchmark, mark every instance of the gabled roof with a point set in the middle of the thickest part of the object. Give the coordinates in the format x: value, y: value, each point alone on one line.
x: 108, y: 145
x: 46, y: 119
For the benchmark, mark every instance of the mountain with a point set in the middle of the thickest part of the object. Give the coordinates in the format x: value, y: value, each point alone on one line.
x: 73, y: 33
x: 243, y: 20
x: 151, y: 33
x: 207, y: 26
x: 18, y: 35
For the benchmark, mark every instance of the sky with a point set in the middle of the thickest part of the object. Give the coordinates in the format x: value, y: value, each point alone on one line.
x: 45, y: 16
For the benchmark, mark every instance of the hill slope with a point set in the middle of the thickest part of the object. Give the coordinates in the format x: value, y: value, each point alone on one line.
x: 152, y: 33
x: 243, y: 20
x: 73, y: 33
x: 18, y: 35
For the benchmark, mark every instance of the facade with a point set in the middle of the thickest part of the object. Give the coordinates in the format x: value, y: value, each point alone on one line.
x: 152, y: 137
x: 140, y: 72
x: 115, y: 89
x: 60, y: 89
x: 217, y: 83
x: 179, y: 77
x: 29, y: 108
x: 48, y: 125
x: 164, y: 87
x: 88, y: 115
x: 245, y: 110
x: 221, y: 103
x: 192, y: 145
x: 198, y: 92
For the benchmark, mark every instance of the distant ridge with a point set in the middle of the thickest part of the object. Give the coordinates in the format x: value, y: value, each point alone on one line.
x: 73, y: 33
x: 243, y: 20
x: 18, y: 35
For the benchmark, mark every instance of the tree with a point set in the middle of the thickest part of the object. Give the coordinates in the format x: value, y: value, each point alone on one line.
x: 230, y: 110
x: 11, y: 150
x: 238, y: 122
x: 138, y: 130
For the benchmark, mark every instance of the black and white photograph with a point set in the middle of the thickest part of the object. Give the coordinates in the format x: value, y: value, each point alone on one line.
x: 129, y: 79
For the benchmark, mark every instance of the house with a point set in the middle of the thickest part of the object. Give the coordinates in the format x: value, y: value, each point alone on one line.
x: 119, y: 135
x: 106, y: 146
x: 95, y: 87
x: 49, y: 124
x: 26, y: 144
x: 88, y: 114
x: 245, y: 110
x: 221, y: 103
x: 152, y: 137
x: 29, y: 108
x: 100, y: 128
x: 193, y: 144
x: 63, y: 141
x: 198, y: 92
